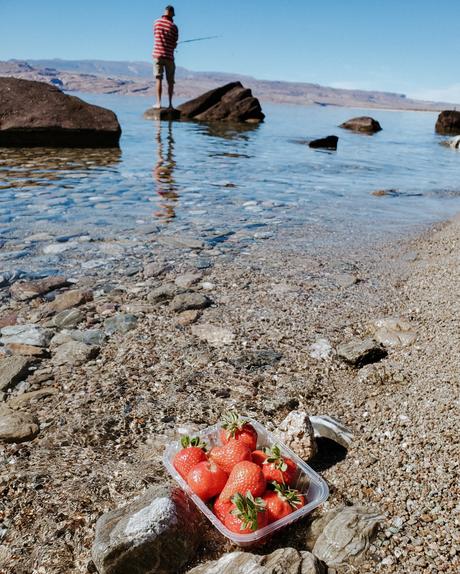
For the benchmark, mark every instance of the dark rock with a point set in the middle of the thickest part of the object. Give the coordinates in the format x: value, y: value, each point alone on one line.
x: 38, y: 114
x: 231, y: 103
x: 167, y: 114
x: 157, y: 533
x: 359, y: 352
x: 330, y: 142
x: 258, y: 359
x: 12, y: 370
x: 363, y: 124
x: 448, y: 123
x: 189, y: 301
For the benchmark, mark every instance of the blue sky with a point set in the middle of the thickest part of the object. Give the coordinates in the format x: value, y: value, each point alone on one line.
x: 409, y: 46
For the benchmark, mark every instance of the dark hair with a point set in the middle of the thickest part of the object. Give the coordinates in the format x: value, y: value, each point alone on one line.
x: 170, y: 9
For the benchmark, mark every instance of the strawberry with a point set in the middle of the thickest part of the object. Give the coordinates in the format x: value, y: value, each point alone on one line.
x: 246, y: 515
x: 245, y: 477
x: 276, y: 467
x: 234, y: 427
x: 221, y: 508
x: 230, y: 454
x: 191, y: 454
x: 206, y: 480
x: 259, y: 457
x: 281, y: 502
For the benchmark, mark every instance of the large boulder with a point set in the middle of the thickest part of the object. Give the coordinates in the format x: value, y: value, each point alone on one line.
x: 231, y: 103
x: 448, y: 123
x: 157, y: 533
x: 38, y: 114
x: 363, y: 124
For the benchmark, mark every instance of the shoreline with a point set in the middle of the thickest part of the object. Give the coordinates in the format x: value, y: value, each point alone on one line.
x: 105, y: 421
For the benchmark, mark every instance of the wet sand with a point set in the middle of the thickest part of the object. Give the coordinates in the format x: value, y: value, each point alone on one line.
x: 103, y: 430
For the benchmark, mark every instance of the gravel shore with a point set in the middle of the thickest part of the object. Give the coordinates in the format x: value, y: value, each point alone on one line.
x: 104, y: 421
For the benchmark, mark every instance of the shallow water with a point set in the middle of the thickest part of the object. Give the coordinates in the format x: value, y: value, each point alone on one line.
x: 187, y: 176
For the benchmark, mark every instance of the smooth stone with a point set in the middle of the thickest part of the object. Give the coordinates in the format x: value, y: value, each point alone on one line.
x: 189, y: 301
x: 188, y: 317
x: 393, y: 332
x: 26, y: 350
x: 164, y: 114
x: 345, y: 280
x: 26, y: 335
x: 57, y: 248
x: 68, y: 318
x: 296, y: 432
x: 281, y: 561
x: 164, y: 293
x: 182, y: 242
x: 67, y: 300
x: 94, y: 337
x: 363, y: 124
x: 213, y: 334
x: 257, y: 359
x: 24, y: 291
x: 347, y: 535
x: 328, y: 427
x: 12, y: 370
x: 359, y: 352
x: 17, y: 426
x: 329, y: 142
x: 156, y: 269
x: 187, y: 280
x: 158, y: 532
x: 120, y: 323
x: 74, y: 353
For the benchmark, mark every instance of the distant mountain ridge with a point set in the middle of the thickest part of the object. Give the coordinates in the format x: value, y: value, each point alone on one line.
x: 136, y: 78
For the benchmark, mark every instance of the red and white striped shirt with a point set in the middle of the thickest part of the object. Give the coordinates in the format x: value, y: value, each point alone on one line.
x: 166, y: 35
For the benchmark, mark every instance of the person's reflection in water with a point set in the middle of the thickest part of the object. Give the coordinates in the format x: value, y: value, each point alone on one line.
x: 163, y: 174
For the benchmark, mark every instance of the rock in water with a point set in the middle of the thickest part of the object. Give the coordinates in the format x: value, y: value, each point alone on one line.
x: 167, y: 114
x: 330, y: 142
x: 282, y: 561
x: 363, y: 124
x: 156, y: 533
x: 296, y: 432
x: 347, y: 535
x: 38, y: 114
x: 448, y: 123
x: 231, y: 103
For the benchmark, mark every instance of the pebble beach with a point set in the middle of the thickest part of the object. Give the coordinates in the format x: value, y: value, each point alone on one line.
x: 180, y: 331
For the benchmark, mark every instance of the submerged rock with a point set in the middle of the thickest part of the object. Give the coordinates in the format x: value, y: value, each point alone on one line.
x: 38, y: 114
x: 346, y: 535
x: 363, y: 124
x: 157, y: 533
x: 448, y: 123
x: 282, y: 561
x: 329, y: 142
x: 231, y: 103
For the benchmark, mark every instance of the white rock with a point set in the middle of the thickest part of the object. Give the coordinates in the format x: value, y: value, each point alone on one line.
x: 321, y: 350
x: 28, y: 334
x: 393, y: 332
x: 331, y: 428
x: 213, y: 334
x: 296, y: 432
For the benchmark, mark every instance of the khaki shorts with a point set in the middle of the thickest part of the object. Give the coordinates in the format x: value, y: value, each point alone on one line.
x: 161, y: 64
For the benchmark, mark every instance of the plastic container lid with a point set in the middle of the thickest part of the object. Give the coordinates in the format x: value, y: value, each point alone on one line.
x: 308, y: 483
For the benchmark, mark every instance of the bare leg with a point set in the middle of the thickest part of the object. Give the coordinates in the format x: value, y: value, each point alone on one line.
x: 159, y: 91
x: 170, y: 93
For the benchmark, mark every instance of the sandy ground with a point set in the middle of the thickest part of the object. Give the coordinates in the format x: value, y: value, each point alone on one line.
x: 103, y: 433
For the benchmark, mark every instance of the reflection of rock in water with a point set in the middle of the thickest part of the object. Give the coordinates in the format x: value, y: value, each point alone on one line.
x: 163, y: 173
x: 37, y: 167
x: 228, y: 131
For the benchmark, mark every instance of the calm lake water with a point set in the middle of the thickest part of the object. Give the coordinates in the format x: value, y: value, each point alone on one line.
x: 191, y: 176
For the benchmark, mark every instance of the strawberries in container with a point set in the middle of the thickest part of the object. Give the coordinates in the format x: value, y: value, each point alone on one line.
x: 246, y: 482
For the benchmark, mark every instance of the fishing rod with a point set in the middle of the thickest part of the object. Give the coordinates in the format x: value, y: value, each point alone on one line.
x: 198, y: 39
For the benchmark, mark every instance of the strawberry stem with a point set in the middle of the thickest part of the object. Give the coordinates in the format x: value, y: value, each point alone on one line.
x: 232, y: 422
x: 187, y: 441
x: 246, y: 509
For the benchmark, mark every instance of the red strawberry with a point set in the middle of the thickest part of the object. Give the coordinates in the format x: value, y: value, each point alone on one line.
x: 191, y: 454
x: 259, y: 457
x: 281, y: 502
x: 230, y: 454
x: 206, y: 480
x: 233, y: 427
x: 245, y: 477
x: 246, y: 514
x: 278, y: 468
x: 222, y: 507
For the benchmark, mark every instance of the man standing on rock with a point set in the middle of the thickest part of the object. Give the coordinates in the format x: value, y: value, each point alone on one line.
x: 166, y: 36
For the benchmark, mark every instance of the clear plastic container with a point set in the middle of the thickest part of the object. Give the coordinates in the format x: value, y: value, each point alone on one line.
x: 308, y: 483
